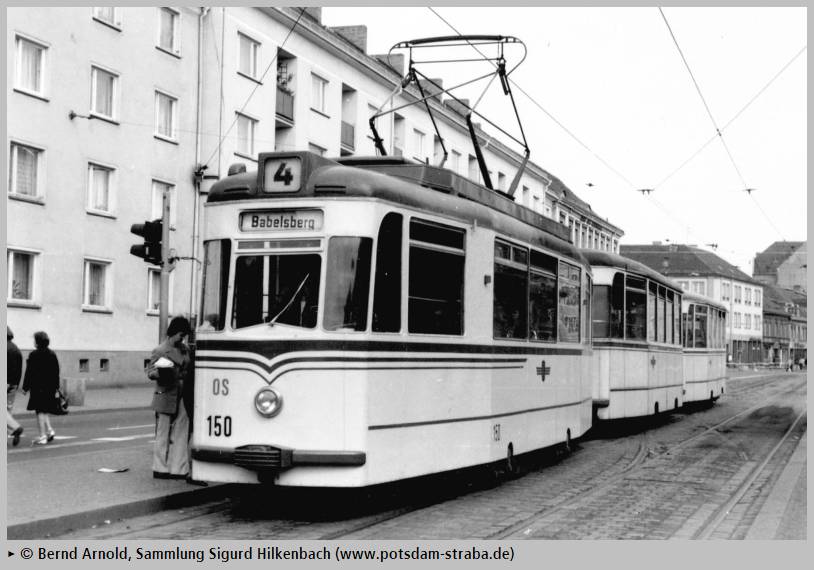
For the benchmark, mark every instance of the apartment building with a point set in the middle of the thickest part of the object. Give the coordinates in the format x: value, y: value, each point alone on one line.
x: 111, y: 107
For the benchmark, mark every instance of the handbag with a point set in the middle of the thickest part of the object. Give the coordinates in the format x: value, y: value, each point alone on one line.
x: 60, y: 403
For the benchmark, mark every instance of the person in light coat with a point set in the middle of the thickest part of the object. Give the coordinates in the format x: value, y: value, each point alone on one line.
x: 171, y: 451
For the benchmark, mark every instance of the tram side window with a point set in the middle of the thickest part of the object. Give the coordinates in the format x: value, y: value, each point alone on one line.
x: 347, y: 291
x: 635, y: 308
x: 510, y: 294
x: 700, y: 328
x: 586, y: 308
x: 436, y: 280
x: 686, y: 323
x: 677, y: 319
x: 274, y: 289
x: 387, y: 293
x: 670, y: 319
x: 660, y: 313
x: 215, y: 284
x: 543, y: 297
x: 601, y: 317
x: 651, y: 312
x: 569, y: 303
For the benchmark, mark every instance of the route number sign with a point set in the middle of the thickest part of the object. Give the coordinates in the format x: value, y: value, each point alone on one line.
x: 282, y: 174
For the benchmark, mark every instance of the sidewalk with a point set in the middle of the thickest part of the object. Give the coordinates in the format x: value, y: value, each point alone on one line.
x: 72, y: 494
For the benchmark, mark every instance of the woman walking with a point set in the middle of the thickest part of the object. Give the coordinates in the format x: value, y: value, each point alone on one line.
x: 42, y: 380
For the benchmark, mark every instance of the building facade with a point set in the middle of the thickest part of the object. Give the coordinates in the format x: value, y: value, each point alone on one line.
x: 111, y: 107
x: 785, y: 264
x: 703, y: 272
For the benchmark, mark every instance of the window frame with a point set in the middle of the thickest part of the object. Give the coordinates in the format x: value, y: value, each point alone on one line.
x: 36, y: 259
x: 107, y: 307
x: 19, y: 39
x: 173, y: 136
x: 155, y: 312
x: 156, y: 201
x: 254, y: 56
x: 252, y: 122
x: 111, y: 186
x: 114, y: 104
x: 175, y: 49
x: 116, y: 22
x: 319, y: 97
x: 39, y: 187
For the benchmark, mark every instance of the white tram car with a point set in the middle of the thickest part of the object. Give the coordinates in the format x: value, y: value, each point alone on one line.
x: 370, y: 320
x: 704, y: 332
x: 637, y: 355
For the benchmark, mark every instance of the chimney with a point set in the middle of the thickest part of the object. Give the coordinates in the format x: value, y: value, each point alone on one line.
x: 315, y: 13
x: 430, y: 89
x: 458, y: 107
x: 357, y: 35
x: 396, y: 61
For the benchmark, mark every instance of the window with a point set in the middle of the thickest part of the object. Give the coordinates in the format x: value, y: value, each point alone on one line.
x: 153, y: 291
x: 510, y: 291
x: 96, y: 284
x: 736, y: 321
x: 635, y: 308
x: 737, y: 294
x: 685, y: 285
x: 246, y: 127
x: 543, y: 297
x: 418, y: 144
x: 21, y: 276
x: 661, y: 310
x: 569, y: 303
x: 699, y: 287
x: 726, y: 291
x: 455, y: 161
x: 758, y: 295
x: 669, y: 327
x: 687, y: 326
x: 700, y: 327
x: 108, y: 15
x: 103, y: 92
x: 100, y: 183
x: 747, y: 295
x: 249, y: 50
x: 747, y: 321
x: 276, y: 289
x: 165, y: 115
x: 501, y: 181
x: 156, y: 212
x: 168, y: 30
x: 387, y: 292
x: 30, y: 76
x: 346, y: 292
x: 651, y: 311
x: 319, y: 89
x: 436, y: 278
x: 24, y: 173
x: 214, y: 284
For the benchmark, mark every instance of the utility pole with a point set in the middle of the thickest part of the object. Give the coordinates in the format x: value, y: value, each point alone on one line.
x: 163, y: 311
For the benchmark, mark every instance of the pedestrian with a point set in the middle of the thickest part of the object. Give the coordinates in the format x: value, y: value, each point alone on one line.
x: 14, y: 371
x: 169, y: 368
x: 42, y: 380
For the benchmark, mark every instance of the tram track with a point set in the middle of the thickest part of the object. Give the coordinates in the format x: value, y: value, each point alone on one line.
x: 380, y: 517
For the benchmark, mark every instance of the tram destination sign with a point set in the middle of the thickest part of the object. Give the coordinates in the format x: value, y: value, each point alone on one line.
x: 281, y: 220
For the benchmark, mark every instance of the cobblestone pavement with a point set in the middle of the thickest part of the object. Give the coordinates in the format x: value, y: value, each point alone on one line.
x: 628, y: 480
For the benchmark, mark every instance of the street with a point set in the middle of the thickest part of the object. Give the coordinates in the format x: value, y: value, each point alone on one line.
x: 703, y: 473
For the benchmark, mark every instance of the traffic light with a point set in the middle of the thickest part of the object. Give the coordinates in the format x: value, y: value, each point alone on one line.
x: 150, y: 250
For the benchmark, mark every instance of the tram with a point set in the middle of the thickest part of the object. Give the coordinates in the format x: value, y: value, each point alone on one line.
x: 367, y: 320
x: 637, y: 351
x: 703, y: 330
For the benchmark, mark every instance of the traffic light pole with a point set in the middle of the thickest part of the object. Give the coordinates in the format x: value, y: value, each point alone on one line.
x: 163, y: 311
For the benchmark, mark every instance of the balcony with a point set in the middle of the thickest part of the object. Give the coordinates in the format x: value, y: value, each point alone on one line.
x: 285, y: 107
x: 348, y: 136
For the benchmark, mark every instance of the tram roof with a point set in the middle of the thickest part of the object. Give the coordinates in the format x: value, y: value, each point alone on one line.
x: 704, y: 300
x: 406, y: 183
x: 607, y: 259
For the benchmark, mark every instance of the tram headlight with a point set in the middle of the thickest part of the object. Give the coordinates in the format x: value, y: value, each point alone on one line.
x: 268, y: 402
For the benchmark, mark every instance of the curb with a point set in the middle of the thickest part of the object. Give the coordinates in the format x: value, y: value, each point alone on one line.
x: 48, y: 528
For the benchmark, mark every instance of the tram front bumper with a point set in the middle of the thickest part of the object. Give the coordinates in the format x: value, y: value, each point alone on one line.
x: 275, y: 458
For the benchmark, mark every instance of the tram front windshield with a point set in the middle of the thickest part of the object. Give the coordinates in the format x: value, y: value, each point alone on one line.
x: 276, y: 289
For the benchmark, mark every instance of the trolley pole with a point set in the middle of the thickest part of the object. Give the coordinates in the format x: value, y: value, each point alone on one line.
x: 163, y: 311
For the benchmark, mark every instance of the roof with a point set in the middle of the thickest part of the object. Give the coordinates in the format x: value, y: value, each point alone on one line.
x: 678, y: 260
x: 607, y: 259
x: 767, y: 261
x: 776, y: 299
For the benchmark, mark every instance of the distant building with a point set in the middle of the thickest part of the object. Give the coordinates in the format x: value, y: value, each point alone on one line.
x: 785, y: 330
x: 108, y: 107
x: 705, y: 273
x: 784, y: 263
